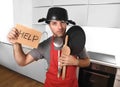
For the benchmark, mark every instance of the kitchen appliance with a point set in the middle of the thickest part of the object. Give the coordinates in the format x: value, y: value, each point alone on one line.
x: 97, y: 75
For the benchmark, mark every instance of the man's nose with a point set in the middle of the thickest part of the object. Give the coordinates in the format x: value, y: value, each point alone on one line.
x: 60, y: 25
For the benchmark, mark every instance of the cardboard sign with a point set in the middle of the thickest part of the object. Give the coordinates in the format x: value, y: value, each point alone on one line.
x: 28, y: 36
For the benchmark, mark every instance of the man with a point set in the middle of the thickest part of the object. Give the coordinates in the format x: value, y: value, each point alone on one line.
x: 57, y: 19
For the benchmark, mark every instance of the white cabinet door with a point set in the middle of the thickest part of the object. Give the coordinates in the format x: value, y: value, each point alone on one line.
x: 104, y: 15
x: 6, y: 56
x: 103, y: 1
x: 39, y: 13
x: 23, y: 12
x: 77, y: 14
x: 36, y: 70
x: 69, y: 2
x: 39, y: 3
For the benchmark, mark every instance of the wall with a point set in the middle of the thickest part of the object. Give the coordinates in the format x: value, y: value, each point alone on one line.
x: 6, y: 18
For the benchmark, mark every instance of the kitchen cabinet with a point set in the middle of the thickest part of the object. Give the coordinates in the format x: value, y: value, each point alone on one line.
x: 27, y: 14
x: 104, y: 15
x: 39, y: 13
x: 117, y: 79
x: 6, y: 57
x: 77, y: 10
x: 36, y: 70
x: 41, y: 3
x: 77, y: 14
x: 39, y: 10
x: 69, y: 2
x: 103, y: 1
x: 23, y: 12
x: 84, y: 13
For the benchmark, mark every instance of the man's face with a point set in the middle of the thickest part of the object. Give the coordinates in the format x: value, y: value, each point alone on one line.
x: 58, y: 27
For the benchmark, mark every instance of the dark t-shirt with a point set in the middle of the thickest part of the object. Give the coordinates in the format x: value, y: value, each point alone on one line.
x: 43, y: 51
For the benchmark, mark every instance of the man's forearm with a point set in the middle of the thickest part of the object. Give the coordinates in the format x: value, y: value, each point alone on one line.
x: 83, y: 62
x: 19, y: 54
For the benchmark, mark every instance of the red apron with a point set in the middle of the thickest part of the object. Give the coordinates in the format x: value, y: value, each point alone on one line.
x: 51, y: 76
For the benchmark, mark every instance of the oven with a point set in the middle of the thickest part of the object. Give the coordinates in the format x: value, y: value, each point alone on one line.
x: 97, y: 75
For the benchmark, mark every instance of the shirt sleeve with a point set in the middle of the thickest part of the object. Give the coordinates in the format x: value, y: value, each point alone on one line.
x: 40, y: 52
x: 83, y: 54
x: 35, y: 54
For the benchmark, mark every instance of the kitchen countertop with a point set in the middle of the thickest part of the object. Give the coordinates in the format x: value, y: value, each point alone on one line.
x: 103, y: 59
x: 98, y: 58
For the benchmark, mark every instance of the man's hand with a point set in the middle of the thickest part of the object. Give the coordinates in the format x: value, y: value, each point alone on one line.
x: 13, y: 35
x: 68, y: 60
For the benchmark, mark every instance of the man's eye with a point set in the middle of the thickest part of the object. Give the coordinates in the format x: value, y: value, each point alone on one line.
x: 64, y: 22
x: 54, y: 23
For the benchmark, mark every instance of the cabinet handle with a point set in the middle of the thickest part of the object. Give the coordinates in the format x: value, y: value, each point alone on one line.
x: 98, y: 74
